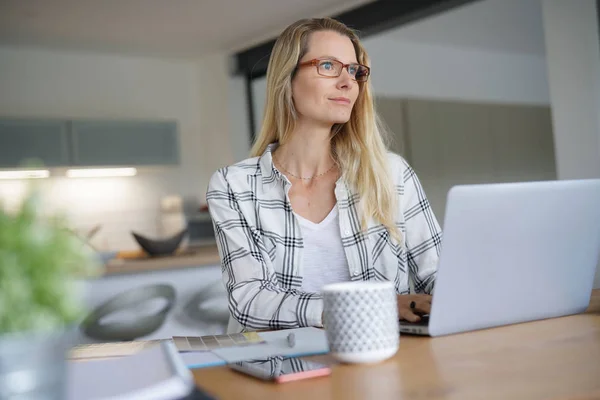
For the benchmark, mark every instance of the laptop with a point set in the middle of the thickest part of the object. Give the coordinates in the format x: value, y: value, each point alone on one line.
x: 514, y: 252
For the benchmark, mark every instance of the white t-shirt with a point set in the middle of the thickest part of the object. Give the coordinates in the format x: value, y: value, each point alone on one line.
x: 324, y: 260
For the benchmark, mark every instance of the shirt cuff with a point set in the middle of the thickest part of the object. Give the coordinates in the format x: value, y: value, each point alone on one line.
x: 314, y: 313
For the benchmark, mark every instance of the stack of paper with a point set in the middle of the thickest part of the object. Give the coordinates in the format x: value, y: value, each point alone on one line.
x: 308, y: 341
x: 209, y: 351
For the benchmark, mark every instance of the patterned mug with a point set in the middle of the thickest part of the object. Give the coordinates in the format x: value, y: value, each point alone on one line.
x: 361, y: 321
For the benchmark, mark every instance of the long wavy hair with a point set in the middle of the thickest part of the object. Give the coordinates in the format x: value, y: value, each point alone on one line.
x: 358, y: 145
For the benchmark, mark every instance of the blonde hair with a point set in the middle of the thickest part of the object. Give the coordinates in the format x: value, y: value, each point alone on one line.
x: 358, y: 144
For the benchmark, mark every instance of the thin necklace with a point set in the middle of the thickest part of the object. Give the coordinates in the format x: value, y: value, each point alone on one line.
x: 299, y: 177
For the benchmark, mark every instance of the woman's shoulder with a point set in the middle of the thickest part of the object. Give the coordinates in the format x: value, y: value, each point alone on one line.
x: 233, y: 172
x: 398, y: 166
x: 396, y: 160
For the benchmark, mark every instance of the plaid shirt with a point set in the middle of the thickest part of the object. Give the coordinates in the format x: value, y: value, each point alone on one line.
x: 260, y: 243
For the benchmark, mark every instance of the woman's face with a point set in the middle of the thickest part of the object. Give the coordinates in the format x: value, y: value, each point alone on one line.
x: 320, y: 99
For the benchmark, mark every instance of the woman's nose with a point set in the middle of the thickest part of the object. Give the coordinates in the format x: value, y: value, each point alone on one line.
x: 345, y: 80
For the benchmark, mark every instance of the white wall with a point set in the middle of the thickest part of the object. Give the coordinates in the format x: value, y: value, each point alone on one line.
x: 238, y: 112
x: 213, y: 135
x: 259, y: 91
x: 403, y: 68
x: 41, y: 83
x: 574, y: 77
x: 505, y: 26
x: 572, y: 47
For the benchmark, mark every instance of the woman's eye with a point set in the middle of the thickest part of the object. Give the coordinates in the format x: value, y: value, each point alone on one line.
x: 353, y: 69
x: 328, y: 65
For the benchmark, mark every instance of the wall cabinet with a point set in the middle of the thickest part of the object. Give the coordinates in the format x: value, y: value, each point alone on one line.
x: 94, y: 143
x: 136, y: 143
x: 44, y: 141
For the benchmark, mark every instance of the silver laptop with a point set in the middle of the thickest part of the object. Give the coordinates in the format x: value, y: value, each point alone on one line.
x: 514, y: 252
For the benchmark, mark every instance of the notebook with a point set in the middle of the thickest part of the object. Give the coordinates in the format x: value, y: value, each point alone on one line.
x: 155, y: 373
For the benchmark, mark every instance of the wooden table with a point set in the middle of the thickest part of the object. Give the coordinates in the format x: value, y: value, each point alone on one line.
x: 551, y: 359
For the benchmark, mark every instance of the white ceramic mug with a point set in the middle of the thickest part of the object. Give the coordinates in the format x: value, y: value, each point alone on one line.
x: 361, y: 321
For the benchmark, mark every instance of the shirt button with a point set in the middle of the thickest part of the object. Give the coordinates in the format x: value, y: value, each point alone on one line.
x: 355, y: 273
x: 347, y: 232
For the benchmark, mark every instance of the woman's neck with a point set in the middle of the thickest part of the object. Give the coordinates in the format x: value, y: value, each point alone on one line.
x: 307, y: 153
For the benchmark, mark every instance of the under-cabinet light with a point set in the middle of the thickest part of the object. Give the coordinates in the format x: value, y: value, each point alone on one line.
x: 100, y: 172
x: 25, y: 174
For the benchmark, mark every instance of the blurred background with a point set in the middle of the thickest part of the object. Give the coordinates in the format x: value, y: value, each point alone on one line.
x: 166, y: 92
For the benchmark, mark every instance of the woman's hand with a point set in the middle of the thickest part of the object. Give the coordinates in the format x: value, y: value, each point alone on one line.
x: 421, y: 305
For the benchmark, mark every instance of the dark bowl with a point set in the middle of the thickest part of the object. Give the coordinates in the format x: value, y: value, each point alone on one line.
x: 95, y: 326
x: 163, y: 247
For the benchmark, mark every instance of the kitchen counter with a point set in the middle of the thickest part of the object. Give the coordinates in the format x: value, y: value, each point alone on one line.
x: 194, y: 257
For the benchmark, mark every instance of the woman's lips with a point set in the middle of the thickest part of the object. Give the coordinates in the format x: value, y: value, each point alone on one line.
x: 341, y: 100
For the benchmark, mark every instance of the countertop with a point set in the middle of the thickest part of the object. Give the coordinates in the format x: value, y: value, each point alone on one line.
x: 194, y: 257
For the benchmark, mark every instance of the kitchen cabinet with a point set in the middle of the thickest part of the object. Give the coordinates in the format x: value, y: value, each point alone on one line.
x: 88, y: 143
x: 457, y: 142
x: 135, y: 143
x: 46, y: 141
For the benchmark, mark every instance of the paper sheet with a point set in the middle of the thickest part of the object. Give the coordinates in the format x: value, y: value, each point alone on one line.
x: 211, y: 342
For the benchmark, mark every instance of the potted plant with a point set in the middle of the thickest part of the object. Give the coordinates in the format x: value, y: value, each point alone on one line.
x: 41, y: 263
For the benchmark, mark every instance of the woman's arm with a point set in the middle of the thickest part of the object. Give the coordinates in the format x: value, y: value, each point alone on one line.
x: 423, y: 233
x: 256, y: 300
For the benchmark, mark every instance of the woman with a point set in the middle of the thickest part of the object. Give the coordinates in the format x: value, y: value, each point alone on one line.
x: 322, y: 200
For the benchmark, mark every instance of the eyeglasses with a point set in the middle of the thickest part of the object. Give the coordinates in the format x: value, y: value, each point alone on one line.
x: 333, y: 69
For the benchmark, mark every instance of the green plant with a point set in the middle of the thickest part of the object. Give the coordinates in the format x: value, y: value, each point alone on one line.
x: 40, y: 263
